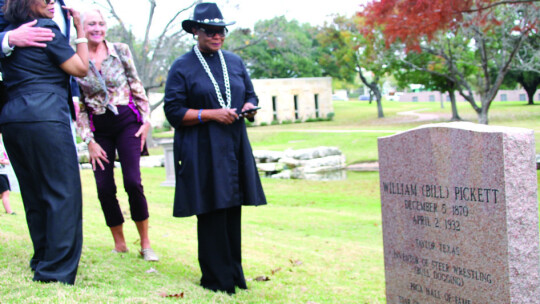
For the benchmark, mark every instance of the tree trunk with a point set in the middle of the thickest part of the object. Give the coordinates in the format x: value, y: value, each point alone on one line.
x: 374, y: 88
x: 455, y: 115
x: 530, y: 93
x: 378, y: 96
x: 483, y: 115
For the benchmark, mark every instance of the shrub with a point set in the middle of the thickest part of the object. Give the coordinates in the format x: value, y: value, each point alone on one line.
x: 330, y: 116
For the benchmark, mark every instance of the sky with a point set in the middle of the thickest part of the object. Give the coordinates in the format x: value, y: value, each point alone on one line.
x: 244, y: 12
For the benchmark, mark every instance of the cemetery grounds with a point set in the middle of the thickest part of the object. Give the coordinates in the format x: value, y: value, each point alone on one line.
x: 315, y: 242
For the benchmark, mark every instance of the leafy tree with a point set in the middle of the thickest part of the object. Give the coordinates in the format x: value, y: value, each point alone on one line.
x: 428, y: 70
x: 440, y: 60
x: 373, y: 57
x: 337, y: 52
x: 412, y: 21
x: 529, y: 80
x: 525, y: 69
x: 496, y: 33
x: 277, y: 48
x: 345, y: 51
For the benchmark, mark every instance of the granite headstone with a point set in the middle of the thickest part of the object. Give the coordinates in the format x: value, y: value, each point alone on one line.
x: 460, y: 215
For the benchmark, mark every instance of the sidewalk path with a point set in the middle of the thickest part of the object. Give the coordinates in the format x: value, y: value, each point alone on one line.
x: 336, y: 131
x: 420, y: 116
x: 371, y: 166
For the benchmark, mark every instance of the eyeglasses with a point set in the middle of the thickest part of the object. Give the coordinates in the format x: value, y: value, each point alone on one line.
x: 222, y: 32
x: 47, y: 2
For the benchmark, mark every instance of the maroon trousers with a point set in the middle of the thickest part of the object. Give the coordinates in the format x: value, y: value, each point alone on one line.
x: 117, y: 133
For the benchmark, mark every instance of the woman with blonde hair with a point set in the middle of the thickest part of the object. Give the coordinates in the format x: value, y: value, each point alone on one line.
x: 115, y: 116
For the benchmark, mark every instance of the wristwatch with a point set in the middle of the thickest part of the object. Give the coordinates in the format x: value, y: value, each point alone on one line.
x: 88, y: 140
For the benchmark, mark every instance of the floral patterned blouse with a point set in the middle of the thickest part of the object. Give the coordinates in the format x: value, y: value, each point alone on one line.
x: 116, y: 84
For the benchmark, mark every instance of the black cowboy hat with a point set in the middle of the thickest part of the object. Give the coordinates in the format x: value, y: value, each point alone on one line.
x: 206, y: 13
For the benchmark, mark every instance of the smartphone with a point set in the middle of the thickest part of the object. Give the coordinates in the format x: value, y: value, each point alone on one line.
x: 248, y: 111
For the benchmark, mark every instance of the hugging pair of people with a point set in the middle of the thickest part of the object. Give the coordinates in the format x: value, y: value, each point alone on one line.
x: 206, y: 90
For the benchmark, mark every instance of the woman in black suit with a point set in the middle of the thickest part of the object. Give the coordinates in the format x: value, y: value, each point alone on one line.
x: 35, y: 123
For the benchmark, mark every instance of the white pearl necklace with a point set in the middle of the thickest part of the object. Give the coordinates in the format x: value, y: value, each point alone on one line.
x: 225, y: 78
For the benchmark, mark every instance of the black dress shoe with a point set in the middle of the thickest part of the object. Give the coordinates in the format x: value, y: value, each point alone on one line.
x: 229, y: 291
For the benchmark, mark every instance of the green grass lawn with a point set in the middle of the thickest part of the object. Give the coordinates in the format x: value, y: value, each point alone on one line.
x: 315, y: 242
x: 356, y: 128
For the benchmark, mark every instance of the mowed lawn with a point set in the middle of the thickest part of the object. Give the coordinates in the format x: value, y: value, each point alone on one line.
x: 315, y: 242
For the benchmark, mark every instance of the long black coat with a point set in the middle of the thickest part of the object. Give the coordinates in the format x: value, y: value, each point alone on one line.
x: 214, y: 163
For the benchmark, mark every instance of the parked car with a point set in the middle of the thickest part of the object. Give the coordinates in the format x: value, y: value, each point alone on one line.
x: 339, y: 97
x: 363, y: 97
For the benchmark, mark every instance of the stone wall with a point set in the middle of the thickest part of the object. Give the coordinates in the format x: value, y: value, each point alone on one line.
x: 436, y: 96
x: 320, y: 163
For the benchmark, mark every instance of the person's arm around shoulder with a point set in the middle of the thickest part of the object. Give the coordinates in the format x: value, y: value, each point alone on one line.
x: 77, y: 65
x: 25, y: 35
x: 28, y: 35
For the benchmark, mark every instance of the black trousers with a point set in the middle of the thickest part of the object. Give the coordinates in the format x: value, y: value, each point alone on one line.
x: 44, y: 159
x: 220, y: 252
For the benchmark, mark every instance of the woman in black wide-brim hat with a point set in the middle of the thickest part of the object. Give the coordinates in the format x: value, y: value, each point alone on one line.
x: 216, y: 174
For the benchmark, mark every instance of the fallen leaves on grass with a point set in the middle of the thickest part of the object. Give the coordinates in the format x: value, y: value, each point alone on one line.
x: 262, y: 278
x: 175, y: 295
x: 295, y: 262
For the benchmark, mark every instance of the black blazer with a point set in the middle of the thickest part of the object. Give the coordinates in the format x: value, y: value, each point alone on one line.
x: 37, y: 87
x: 72, y: 82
